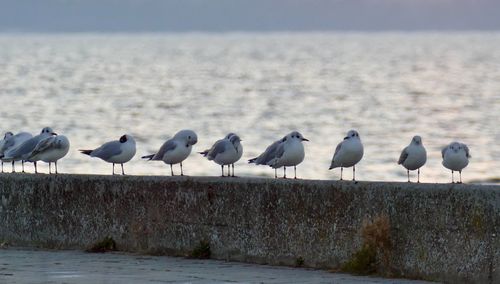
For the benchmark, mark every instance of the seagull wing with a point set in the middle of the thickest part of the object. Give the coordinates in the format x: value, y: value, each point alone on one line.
x: 169, y: 145
x: 443, y: 151
x: 337, y: 150
x: 218, y: 148
x: 43, y: 145
x: 404, y: 155
x: 467, y: 153
x: 107, y: 150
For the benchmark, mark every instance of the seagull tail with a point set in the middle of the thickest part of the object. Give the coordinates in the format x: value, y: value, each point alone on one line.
x: 149, y: 157
x: 252, y: 161
x: 204, y: 153
x: 86, y: 152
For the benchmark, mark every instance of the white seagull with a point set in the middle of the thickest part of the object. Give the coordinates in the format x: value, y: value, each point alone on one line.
x: 11, y: 143
x: 175, y: 150
x: 413, y: 157
x: 287, y: 152
x: 115, y: 152
x: 23, y: 151
x: 239, y: 148
x: 50, y: 150
x: 455, y: 158
x: 348, y: 153
x: 225, y: 151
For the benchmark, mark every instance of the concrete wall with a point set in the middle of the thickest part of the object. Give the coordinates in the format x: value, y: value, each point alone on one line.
x: 439, y: 231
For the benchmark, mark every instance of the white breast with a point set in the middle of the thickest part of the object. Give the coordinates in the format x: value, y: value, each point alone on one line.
x: 293, y: 155
x: 455, y: 161
x: 227, y: 157
x: 349, y: 154
x: 128, y: 152
x: 179, y: 154
x: 417, y: 156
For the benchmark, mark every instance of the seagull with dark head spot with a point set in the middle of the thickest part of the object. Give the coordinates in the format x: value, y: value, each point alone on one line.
x: 225, y: 151
x: 50, y: 150
x: 413, y: 157
x: 175, y: 150
x: 116, y: 152
x: 455, y: 158
x: 286, y: 152
x: 348, y: 153
x: 10, y: 143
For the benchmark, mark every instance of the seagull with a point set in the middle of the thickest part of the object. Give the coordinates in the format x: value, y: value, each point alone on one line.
x: 455, y: 158
x: 175, y: 150
x: 268, y: 155
x: 289, y: 153
x: 11, y: 143
x: 2, y: 142
x: 226, y: 151
x: 239, y: 148
x: 50, y: 150
x: 413, y: 157
x: 115, y: 152
x: 348, y: 153
x: 24, y: 150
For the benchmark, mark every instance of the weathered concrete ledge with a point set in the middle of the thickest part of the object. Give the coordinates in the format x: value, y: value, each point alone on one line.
x: 439, y: 231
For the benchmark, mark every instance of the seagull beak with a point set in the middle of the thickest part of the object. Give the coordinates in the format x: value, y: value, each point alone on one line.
x: 304, y: 139
x: 53, y: 133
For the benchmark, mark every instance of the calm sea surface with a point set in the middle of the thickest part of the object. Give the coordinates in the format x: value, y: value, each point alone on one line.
x: 388, y: 86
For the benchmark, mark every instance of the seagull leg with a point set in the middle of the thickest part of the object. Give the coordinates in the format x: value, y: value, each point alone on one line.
x: 233, y: 170
x: 408, y: 173
x: 295, y: 171
x: 182, y: 173
x: 452, y: 181
x: 460, y: 172
x: 56, y: 166
x: 228, y: 170
x: 36, y: 171
x: 2, y: 167
x: 22, y: 163
x: 284, y: 172
x: 341, y: 171
x: 171, y: 170
x: 50, y: 164
x: 113, y: 168
x: 353, y: 173
x: 222, y: 170
x: 418, y: 175
x: 13, y: 167
x: 275, y: 173
x: 123, y: 173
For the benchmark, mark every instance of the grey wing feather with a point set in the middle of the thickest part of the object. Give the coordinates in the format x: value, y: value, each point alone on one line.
x: 337, y: 149
x: 443, y: 151
x: 280, y: 150
x: 43, y: 145
x: 219, y: 147
x: 8, y: 143
x: 467, y: 153
x: 107, y: 150
x: 25, y: 148
x: 269, y: 154
x: 169, y: 145
x: 404, y: 155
